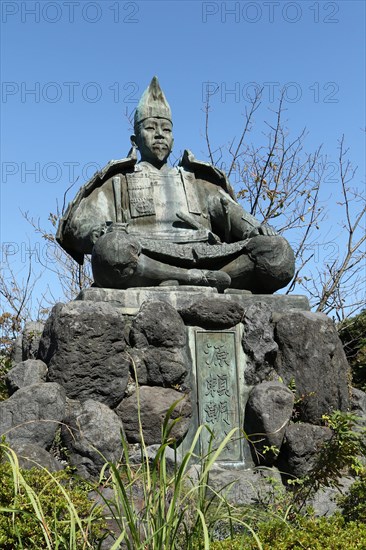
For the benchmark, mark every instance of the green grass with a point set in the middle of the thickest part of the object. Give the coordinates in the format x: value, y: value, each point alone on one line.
x: 156, y: 506
x: 306, y: 533
x: 39, y: 509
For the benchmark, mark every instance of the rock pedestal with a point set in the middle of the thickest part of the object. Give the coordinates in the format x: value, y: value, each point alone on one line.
x: 114, y: 360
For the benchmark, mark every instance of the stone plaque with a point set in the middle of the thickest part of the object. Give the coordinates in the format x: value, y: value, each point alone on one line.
x: 218, y: 390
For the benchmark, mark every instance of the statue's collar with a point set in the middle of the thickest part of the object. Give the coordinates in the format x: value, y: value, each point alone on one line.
x: 146, y: 166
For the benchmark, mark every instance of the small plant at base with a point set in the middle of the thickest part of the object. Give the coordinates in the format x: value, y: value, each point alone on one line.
x: 5, y: 366
x: 353, y: 504
x: 176, y: 512
x: 299, y: 400
x: 271, y: 449
x: 40, y: 509
x: 337, y: 457
x: 352, y: 332
x: 306, y: 533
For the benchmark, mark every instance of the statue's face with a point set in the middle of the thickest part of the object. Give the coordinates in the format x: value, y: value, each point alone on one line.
x: 154, y: 139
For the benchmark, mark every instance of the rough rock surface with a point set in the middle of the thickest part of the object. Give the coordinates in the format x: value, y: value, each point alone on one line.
x: 159, y: 366
x: 31, y: 337
x: 358, y: 405
x: 324, y: 502
x: 33, y: 414
x: 88, y: 346
x: 267, y: 414
x: 16, y: 355
x: 92, y: 434
x: 26, y: 373
x: 84, y: 347
x: 258, y: 343
x: 241, y: 487
x: 31, y: 456
x: 154, y: 405
x: 213, y: 313
x: 172, y: 460
x: 311, y: 354
x: 301, y: 446
x: 158, y: 324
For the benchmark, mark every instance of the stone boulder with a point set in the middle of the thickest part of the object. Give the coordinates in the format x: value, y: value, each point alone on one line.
x: 213, y: 313
x: 172, y: 460
x: 33, y: 414
x: 92, y: 434
x: 16, y: 354
x: 311, y: 355
x: 32, y: 334
x: 26, y: 373
x: 84, y: 347
x: 154, y: 405
x: 268, y: 411
x: 34, y: 456
x: 300, y: 447
x: 358, y: 405
x: 258, y: 343
x: 241, y: 487
x: 160, y: 366
x: 158, y: 324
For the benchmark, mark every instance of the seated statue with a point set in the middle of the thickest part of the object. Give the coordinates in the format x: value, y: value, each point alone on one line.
x: 146, y: 223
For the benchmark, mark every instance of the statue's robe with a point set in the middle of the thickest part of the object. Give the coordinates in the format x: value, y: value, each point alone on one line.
x: 186, y: 215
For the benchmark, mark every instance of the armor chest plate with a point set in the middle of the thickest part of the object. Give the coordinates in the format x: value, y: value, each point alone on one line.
x: 140, y: 194
x: 156, y: 194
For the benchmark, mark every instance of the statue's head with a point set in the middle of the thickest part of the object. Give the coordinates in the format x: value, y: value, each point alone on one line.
x: 153, y: 125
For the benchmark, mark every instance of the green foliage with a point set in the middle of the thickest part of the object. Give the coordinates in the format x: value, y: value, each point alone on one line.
x: 5, y: 366
x: 310, y: 533
x: 44, y: 510
x: 342, y: 450
x: 173, y: 510
x: 300, y: 401
x: 352, y: 332
x: 339, y: 455
x: 155, y: 505
x: 9, y: 328
x: 353, y: 504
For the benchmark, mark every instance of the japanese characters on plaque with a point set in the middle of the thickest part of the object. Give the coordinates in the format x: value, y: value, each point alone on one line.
x: 218, y: 389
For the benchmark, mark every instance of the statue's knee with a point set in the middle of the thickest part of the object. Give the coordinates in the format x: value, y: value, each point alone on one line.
x: 114, y: 259
x: 274, y: 261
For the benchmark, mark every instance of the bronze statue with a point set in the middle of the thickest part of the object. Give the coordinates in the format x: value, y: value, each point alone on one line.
x: 146, y: 223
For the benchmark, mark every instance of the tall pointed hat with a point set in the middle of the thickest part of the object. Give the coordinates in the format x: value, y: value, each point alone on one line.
x: 153, y: 103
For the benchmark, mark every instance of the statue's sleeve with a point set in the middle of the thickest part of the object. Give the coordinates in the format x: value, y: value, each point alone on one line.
x: 93, y: 207
x: 89, y: 220
x: 229, y: 216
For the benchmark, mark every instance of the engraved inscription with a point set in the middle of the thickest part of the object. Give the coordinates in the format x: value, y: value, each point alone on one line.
x: 218, y: 397
x: 217, y: 355
x: 141, y: 197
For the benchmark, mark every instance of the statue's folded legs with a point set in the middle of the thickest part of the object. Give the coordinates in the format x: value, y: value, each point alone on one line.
x: 123, y: 265
x: 265, y: 267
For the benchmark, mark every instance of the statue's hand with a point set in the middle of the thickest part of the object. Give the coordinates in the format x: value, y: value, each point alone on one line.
x: 97, y: 232
x: 264, y: 229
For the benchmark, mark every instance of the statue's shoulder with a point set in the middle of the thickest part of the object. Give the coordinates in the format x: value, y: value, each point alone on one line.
x: 204, y: 170
x: 113, y: 168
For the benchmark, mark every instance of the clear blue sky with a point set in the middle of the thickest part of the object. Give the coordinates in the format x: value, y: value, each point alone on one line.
x: 71, y: 70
